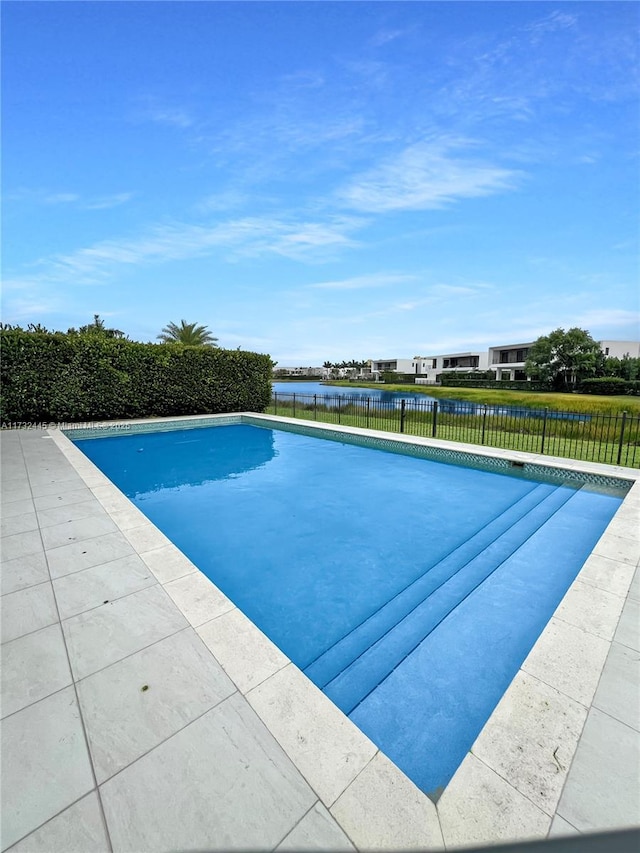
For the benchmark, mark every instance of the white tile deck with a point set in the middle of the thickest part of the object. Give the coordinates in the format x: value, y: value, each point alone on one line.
x: 143, y: 712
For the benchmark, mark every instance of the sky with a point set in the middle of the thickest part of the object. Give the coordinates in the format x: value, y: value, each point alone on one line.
x: 323, y: 180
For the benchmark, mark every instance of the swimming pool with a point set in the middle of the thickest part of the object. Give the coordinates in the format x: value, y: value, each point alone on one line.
x: 409, y: 590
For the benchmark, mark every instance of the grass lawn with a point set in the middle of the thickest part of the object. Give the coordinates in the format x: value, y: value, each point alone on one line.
x: 589, y: 403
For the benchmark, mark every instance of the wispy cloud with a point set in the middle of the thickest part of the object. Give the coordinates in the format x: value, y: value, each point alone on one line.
x: 60, y: 198
x: 610, y: 317
x: 551, y: 23
x: 48, y: 197
x: 446, y: 290
x: 301, y: 241
x: 41, y: 196
x: 173, y: 116
x: 226, y: 200
x: 364, y: 282
x: 27, y: 307
x: 426, y: 176
x: 385, y: 36
x: 109, y: 201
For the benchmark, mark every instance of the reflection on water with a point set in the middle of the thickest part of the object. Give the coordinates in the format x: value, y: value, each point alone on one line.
x: 145, y: 463
x: 413, y: 399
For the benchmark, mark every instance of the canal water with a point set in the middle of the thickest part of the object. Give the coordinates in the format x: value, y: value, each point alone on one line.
x: 456, y: 407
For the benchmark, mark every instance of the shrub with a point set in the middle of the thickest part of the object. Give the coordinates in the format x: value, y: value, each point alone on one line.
x: 451, y: 380
x: 390, y: 377
x: 58, y: 377
x: 610, y: 385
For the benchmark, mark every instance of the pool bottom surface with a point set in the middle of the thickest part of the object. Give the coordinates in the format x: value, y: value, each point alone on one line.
x: 410, y: 591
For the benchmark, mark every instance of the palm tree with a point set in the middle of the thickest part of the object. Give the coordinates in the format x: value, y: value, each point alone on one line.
x: 187, y: 333
x: 97, y: 328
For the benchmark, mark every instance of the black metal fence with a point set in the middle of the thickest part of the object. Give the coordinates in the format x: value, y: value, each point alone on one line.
x: 614, y: 439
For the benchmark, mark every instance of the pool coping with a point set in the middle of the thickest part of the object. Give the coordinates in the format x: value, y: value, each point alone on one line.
x: 492, y: 796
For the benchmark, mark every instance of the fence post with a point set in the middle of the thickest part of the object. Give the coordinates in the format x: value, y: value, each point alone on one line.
x: 624, y: 420
x: 368, y: 407
x: 294, y: 404
x: 544, y: 430
x: 339, y: 410
x: 484, y: 422
x: 402, y: 405
x: 315, y: 407
x: 275, y: 402
x: 434, y: 426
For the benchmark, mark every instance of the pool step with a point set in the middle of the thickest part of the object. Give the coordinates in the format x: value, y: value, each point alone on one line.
x: 362, y: 675
x: 335, y: 659
x: 427, y: 713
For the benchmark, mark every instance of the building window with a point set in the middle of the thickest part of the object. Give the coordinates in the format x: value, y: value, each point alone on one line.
x: 434, y: 363
x: 606, y: 350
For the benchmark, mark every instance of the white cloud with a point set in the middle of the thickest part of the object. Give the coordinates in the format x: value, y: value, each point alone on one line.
x: 386, y: 36
x: 41, y: 196
x: 551, y: 23
x: 173, y: 116
x: 364, y: 281
x: 445, y: 290
x: 28, y: 307
x: 108, y: 201
x: 47, y: 197
x: 609, y: 317
x: 302, y: 241
x: 425, y: 176
x: 60, y: 198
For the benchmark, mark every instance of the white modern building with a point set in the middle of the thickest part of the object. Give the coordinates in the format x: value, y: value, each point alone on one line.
x: 428, y: 367
x: 298, y: 371
x: 620, y: 349
x: 397, y: 365
x: 506, y: 360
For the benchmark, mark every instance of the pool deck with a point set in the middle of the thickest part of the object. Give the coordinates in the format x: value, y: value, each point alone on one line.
x: 142, y: 711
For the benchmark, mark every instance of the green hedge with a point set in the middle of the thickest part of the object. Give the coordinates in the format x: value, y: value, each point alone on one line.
x: 474, y: 376
x: 450, y: 380
x: 610, y: 385
x: 59, y: 377
x: 390, y: 377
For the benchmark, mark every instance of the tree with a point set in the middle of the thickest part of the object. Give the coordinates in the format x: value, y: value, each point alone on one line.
x: 564, y: 358
x: 622, y: 368
x: 187, y: 333
x: 97, y: 328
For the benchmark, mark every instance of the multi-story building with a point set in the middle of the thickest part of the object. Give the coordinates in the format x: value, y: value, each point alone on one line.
x: 397, y: 365
x: 428, y: 367
x: 298, y: 371
x: 620, y: 349
x: 507, y: 361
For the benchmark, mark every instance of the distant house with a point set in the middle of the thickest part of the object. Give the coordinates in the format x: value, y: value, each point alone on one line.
x: 506, y: 360
x: 283, y: 372
x: 620, y: 349
x: 391, y: 365
x: 427, y: 368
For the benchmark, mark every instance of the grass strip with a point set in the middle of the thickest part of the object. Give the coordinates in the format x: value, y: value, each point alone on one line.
x: 597, y: 440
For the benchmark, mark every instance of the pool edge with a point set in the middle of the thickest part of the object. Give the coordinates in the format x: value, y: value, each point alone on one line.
x: 483, y: 802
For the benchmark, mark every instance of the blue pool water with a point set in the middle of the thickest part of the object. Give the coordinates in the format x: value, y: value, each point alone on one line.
x: 409, y: 590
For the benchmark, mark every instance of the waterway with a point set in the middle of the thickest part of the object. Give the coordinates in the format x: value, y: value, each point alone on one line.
x: 457, y: 407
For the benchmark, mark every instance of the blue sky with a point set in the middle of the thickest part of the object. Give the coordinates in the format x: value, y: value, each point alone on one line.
x: 323, y: 180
